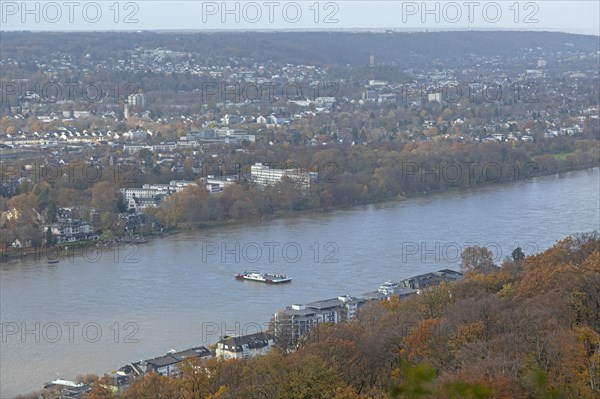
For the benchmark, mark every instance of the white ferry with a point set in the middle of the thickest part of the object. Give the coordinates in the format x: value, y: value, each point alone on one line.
x: 264, y: 277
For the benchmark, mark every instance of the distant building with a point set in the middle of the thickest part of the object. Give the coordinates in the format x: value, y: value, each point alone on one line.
x: 81, y: 114
x: 135, y: 104
x: 265, y: 175
x: 135, y: 135
x: 152, y: 190
x: 434, y: 97
x: 137, y: 100
x: 291, y: 323
x: 68, y: 228
x: 134, y: 148
x: 165, y: 365
x: 245, y: 346
x: 431, y: 279
x: 139, y: 204
x: 150, y: 195
x: 336, y: 309
x: 231, y: 119
x: 215, y: 185
x: 220, y: 135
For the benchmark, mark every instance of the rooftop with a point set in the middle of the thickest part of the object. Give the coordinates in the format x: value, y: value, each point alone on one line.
x: 257, y: 340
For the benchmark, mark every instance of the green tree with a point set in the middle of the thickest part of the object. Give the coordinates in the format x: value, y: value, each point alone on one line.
x: 517, y: 254
x: 49, y: 237
x: 51, y: 212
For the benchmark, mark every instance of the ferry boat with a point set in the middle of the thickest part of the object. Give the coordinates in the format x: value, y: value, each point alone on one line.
x: 267, y: 278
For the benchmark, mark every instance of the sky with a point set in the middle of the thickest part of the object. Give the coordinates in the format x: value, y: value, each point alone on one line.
x: 194, y: 15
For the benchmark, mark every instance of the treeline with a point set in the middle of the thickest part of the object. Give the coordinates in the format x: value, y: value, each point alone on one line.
x: 304, y: 48
x: 348, y: 176
x: 529, y: 328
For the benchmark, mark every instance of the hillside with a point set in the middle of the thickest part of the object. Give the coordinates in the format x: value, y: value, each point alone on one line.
x: 321, y: 48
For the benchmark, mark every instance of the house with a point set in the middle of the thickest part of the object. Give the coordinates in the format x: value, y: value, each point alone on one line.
x: 431, y: 279
x: 434, y: 97
x: 70, y: 230
x: 245, y: 346
x: 231, y: 119
x: 267, y: 120
x: 138, y: 204
x: 527, y: 138
x: 167, y: 364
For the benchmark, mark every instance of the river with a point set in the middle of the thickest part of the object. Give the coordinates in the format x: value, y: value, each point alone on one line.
x: 102, y: 309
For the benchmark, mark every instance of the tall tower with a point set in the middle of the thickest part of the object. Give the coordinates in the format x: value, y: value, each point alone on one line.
x: 372, y: 61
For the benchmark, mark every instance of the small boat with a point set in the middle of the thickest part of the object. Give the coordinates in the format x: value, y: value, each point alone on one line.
x: 53, y: 261
x: 267, y: 278
x: 389, y: 287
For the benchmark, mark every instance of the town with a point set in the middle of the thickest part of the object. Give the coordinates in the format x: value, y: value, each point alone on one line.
x: 139, y: 168
x: 103, y: 159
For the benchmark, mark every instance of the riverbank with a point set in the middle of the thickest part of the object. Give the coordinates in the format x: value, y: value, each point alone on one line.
x: 68, y: 250
x: 280, y: 214
x: 81, y: 248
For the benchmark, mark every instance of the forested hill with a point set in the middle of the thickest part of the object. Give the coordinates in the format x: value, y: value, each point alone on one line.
x: 320, y: 48
x: 528, y: 328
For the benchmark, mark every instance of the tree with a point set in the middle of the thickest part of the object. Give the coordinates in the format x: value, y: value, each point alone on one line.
x: 413, y: 381
x: 517, y: 254
x: 104, y: 196
x: 41, y: 191
x: 51, y: 212
x: 49, y: 237
x: 477, y: 259
x: 152, y: 386
x: 102, y: 389
x: 146, y: 156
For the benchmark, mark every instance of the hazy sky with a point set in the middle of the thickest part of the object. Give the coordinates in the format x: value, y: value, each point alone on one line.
x: 555, y: 15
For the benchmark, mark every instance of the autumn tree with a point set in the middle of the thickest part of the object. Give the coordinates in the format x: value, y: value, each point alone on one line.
x: 104, y: 196
x: 477, y: 259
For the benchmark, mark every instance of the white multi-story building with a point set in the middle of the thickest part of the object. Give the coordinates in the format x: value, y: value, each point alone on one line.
x: 149, y: 195
x: 153, y: 190
x: 215, y: 185
x: 137, y: 99
x: 265, y: 175
x: 291, y: 323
